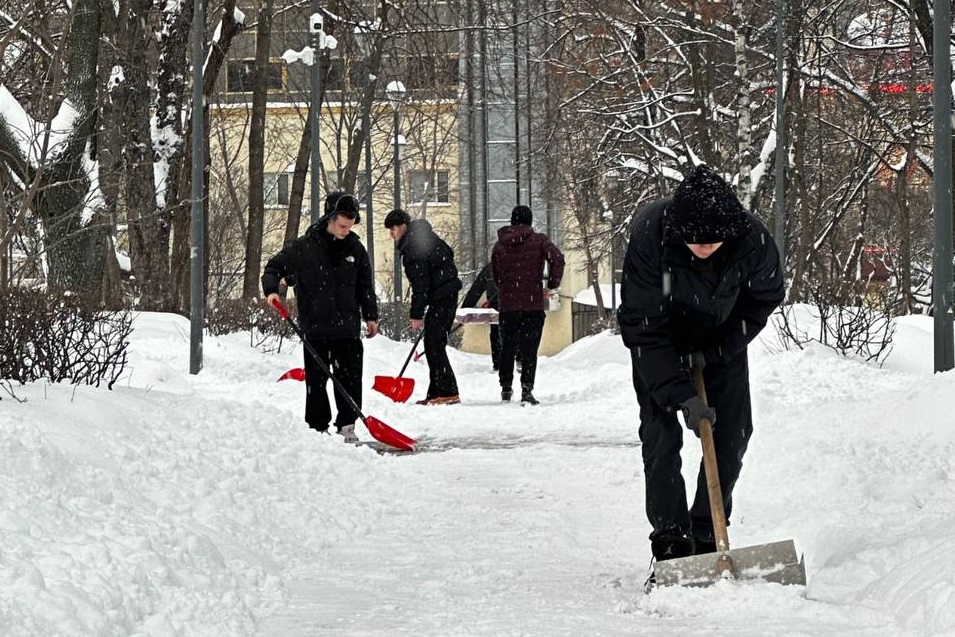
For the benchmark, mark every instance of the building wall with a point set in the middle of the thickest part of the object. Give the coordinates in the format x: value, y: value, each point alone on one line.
x: 424, y: 126
x: 558, y: 327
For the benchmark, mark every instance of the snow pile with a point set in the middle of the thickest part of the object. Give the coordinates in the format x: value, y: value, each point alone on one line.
x: 181, y: 505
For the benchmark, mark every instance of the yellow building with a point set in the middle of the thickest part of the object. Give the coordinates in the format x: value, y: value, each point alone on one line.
x: 463, y: 166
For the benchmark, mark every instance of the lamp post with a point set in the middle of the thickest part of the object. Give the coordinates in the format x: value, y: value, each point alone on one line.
x: 942, y: 188
x: 197, y: 235
x: 396, y: 97
x: 320, y: 41
x: 311, y: 56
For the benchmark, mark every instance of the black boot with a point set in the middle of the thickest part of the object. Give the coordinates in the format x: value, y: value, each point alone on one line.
x: 671, y: 547
x: 704, y: 540
x: 528, y: 398
x: 506, y: 393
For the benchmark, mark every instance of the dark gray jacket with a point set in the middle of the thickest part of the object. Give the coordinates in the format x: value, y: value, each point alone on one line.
x: 429, y: 266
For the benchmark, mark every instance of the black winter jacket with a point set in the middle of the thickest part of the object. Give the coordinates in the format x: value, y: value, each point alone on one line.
x: 429, y: 266
x: 483, y: 283
x: 673, y: 303
x: 333, y: 282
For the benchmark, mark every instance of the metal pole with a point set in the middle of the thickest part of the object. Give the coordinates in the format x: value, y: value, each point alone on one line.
x: 779, y: 227
x: 397, y: 161
x: 315, y: 86
x: 613, y: 273
x: 369, y: 204
x: 942, y: 188
x: 517, y: 108
x: 197, y: 235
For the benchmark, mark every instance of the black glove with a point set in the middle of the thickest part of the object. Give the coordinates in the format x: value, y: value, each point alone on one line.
x: 695, y: 410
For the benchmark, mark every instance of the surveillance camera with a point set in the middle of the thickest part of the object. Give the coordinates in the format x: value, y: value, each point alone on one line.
x: 315, y: 23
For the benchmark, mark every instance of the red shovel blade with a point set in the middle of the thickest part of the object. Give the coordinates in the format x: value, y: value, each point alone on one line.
x: 296, y: 373
x: 388, y: 435
x: 397, y: 389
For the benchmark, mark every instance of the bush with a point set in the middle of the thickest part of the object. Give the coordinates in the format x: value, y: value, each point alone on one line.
x: 267, y: 330
x: 61, y: 336
x: 864, y: 331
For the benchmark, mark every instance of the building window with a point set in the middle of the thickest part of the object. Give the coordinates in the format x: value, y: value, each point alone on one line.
x: 428, y: 185
x: 431, y: 71
x: 277, y: 186
x: 240, y: 75
x: 335, y: 75
x: 334, y: 183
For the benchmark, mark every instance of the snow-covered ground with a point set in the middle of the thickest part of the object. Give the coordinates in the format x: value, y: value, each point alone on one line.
x: 195, y: 506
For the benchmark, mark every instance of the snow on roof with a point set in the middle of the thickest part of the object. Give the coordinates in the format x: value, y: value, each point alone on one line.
x: 587, y: 296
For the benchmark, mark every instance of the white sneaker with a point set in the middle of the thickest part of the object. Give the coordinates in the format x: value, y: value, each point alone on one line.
x: 348, y: 433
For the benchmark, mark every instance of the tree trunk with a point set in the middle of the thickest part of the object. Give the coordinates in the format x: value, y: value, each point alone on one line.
x: 260, y: 94
x: 148, y: 224
x: 171, y: 148
x: 75, y: 235
x: 181, y: 215
x: 297, y: 190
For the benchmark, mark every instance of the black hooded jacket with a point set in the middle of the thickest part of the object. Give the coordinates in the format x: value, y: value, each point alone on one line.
x: 483, y: 283
x: 429, y: 266
x: 673, y: 303
x: 333, y: 282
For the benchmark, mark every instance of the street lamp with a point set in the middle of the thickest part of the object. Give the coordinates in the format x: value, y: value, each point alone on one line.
x: 311, y: 56
x: 396, y: 96
x: 365, y: 37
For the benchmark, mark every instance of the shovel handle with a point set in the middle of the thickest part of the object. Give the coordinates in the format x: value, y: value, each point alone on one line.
x: 318, y: 359
x: 414, y: 346
x: 717, y: 512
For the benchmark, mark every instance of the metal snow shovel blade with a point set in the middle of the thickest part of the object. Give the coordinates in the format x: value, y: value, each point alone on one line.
x: 397, y: 388
x: 378, y: 430
x: 776, y: 562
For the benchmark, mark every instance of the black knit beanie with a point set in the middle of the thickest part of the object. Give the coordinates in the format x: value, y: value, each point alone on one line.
x: 521, y: 215
x: 705, y: 210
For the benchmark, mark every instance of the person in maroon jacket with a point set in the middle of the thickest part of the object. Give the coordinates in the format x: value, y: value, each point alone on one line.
x: 517, y: 267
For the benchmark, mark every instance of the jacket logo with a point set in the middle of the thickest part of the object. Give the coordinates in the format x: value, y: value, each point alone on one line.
x: 350, y: 259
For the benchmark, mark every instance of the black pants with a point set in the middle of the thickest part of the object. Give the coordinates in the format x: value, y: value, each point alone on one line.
x: 344, y: 358
x: 520, y: 337
x: 438, y: 319
x: 495, y: 337
x: 727, y: 391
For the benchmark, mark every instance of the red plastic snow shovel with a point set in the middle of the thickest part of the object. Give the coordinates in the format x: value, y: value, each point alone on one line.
x: 378, y: 430
x: 397, y: 388
x: 296, y: 373
x: 774, y: 562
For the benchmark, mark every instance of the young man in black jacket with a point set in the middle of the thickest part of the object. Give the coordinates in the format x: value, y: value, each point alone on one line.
x: 701, y: 278
x: 429, y: 265
x: 334, y: 292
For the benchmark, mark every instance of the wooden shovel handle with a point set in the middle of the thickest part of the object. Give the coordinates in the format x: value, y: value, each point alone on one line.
x: 713, y: 479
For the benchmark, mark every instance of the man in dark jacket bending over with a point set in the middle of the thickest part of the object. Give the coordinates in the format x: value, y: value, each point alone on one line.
x: 329, y: 268
x: 429, y: 265
x: 701, y: 278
